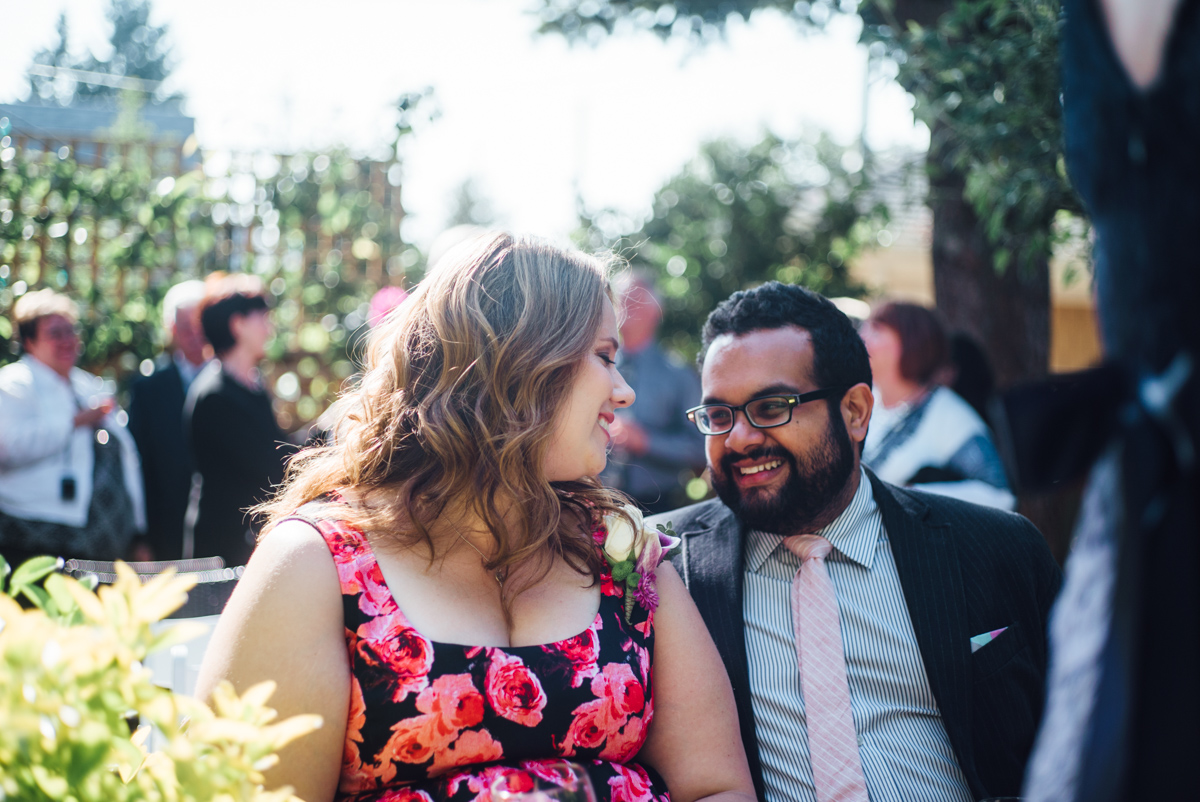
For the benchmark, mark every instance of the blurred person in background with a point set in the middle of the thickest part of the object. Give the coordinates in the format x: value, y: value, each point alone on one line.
x: 969, y: 373
x: 238, y: 447
x: 382, y: 303
x: 156, y: 422
x: 923, y: 435
x: 70, y: 481
x: 655, y: 449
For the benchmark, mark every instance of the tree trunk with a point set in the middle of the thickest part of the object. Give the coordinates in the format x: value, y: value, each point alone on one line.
x: 1009, y: 313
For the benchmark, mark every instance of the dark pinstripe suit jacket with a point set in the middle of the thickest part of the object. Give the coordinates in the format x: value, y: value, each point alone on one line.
x: 965, y: 570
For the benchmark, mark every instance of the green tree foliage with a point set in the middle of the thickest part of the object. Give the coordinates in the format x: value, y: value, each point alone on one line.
x: 986, y: 82
x: 984, y: 74
x: 735, y: 217
x: 586, y: 19
x: 73, y: 684
x: 318, y: 228
x: 139, y: 51
x: 42, y: 85
x: 470, y: 206
x: 985, y: 78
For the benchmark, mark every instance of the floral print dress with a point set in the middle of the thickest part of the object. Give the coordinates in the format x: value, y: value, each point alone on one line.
x: 432, y: 721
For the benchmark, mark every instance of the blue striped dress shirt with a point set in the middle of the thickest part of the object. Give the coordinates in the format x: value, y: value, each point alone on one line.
x: 906, y: 755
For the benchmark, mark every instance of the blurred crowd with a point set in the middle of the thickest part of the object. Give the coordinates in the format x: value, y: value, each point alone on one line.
x: 171, y: 479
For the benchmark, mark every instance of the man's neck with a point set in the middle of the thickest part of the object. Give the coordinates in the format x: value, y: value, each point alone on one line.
x: 184, y: 359
x: 835, y: 508
x: 181, y: 359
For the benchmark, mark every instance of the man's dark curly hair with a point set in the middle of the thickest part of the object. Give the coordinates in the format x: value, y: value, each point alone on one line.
x: 839, y: 356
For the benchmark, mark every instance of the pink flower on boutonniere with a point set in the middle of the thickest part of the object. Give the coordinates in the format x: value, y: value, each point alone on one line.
x: 634, y: 552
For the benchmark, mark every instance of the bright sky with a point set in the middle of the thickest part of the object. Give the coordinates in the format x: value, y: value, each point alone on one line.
x: 533, y: 121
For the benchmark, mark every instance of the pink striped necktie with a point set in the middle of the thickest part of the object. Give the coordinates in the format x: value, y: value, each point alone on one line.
x: 832, y: 744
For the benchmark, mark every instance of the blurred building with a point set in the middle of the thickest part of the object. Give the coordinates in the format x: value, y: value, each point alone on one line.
x: 96, y: 132
x: 902, y: 267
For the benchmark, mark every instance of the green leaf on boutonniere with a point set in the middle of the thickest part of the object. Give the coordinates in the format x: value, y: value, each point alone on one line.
x: 628, y: 605
x: 622, y: 570
x: 667, y: 530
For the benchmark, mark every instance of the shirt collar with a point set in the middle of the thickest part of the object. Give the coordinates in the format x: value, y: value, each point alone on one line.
x: 187, y: 370
x: 37, y: 366
x: 854, y: 534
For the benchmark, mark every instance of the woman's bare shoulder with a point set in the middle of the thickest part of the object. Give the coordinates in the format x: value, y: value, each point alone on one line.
x: 293, y: 543
x: 288, y: 601
x: 290, y: 575
x: 284, y: 624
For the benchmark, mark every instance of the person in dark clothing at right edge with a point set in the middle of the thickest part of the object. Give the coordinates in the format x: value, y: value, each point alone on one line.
x: 238, y: 446
x: 1122, y: 700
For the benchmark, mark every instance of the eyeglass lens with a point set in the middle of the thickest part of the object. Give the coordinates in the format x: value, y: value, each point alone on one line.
x: 60, y: 332
x: 763, y: 412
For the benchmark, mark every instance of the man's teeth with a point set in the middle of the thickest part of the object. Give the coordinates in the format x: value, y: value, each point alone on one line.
x: 766, y: 466
x: 604, y: 424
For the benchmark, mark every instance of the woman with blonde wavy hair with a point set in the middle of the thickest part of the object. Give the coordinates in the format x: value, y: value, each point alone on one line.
x: 450, y: 588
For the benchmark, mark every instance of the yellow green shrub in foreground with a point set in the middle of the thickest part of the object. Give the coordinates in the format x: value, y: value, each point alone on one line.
x: 72, y: 681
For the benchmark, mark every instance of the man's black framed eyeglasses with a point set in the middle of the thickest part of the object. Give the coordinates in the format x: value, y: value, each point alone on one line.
x: 766, y: 412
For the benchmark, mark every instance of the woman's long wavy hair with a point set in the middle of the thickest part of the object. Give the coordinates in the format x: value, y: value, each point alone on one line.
x: 458, y: 403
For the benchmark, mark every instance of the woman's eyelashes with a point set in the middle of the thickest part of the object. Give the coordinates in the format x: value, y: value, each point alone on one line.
x: 607, y: 358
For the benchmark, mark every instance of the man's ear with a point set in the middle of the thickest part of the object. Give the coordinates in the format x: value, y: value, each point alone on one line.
x: 856, y: 407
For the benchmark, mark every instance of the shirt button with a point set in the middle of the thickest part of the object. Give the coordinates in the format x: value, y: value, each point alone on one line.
x: 861, y: 740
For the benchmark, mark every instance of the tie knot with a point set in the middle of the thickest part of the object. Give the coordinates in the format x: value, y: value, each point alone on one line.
x: 808, y: 547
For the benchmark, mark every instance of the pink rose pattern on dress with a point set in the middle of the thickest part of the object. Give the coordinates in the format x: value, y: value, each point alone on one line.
x: 615, y: 720
x: 401, y: 654
x: 583, y: 653
x: 513, y: 690
x: 404, y: 795
x: 632, y: 784
x: 436, y: 722
x: 355, y: 776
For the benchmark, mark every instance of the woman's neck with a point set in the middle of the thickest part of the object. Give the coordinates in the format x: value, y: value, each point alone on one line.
x: 900, y: 391
x: 65, y: 375
x: 465, y: 521
x: 242, y: 366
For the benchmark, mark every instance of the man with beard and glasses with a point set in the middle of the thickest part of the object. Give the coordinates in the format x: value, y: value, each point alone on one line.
x: 879, y: 640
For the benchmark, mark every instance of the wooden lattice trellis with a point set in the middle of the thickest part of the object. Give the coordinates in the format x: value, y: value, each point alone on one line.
x: 321, y: 229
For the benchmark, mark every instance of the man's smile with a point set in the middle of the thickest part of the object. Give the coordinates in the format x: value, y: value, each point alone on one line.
x: 766, y: 466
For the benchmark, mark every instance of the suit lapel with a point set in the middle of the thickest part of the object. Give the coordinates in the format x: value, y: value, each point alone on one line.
x: 928, y: 566
x: 176, y: 389
x: 713, y: 561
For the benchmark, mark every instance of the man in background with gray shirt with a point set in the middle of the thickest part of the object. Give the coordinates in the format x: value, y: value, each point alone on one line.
x: 655, y: 449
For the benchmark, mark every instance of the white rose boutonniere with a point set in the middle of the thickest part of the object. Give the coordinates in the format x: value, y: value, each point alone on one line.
x: 634, y: 552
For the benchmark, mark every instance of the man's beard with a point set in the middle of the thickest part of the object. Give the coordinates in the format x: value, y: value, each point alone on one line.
x: 813, y: 485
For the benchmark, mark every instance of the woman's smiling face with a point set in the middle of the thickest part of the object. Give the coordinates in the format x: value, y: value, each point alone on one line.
x: 56, y: 344
x: 579, y: 445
